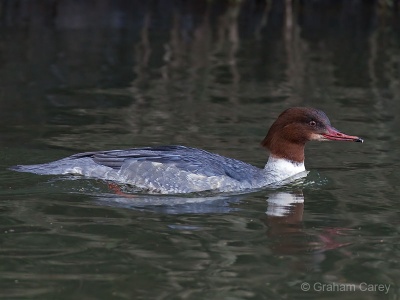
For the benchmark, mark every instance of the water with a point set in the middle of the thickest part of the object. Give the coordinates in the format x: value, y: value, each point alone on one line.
x: 213, y: 76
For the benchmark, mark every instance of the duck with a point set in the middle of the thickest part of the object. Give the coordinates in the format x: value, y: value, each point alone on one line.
x: 176, y: 169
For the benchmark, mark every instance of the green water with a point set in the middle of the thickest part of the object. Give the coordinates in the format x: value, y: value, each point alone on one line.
x: 212, y: 75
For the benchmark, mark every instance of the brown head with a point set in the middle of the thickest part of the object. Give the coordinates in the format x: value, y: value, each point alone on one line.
x: 295, y: 127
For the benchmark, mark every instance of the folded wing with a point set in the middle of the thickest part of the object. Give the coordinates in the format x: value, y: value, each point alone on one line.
x: 184, y: 158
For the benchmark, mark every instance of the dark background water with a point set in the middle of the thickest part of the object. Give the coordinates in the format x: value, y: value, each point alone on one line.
x: 91, y: 75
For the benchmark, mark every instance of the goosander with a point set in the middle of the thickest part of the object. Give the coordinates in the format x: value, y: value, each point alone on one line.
x: 180, y: 169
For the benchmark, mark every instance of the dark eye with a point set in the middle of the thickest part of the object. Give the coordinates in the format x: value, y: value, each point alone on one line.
x: 312, y: 123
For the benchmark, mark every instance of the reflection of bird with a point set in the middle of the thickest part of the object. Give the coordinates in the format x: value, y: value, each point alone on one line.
x: 179, y: 169
x: 288, y: 234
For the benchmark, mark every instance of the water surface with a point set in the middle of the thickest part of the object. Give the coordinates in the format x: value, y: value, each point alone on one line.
x: 212, y: 75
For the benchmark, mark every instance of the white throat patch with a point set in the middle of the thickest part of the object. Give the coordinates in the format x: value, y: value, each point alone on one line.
x: 281, y: 168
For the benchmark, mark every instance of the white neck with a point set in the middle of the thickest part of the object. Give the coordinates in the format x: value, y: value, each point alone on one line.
x: 280, y: 168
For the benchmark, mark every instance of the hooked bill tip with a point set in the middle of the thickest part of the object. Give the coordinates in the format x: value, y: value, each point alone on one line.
x: 359, y: 140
